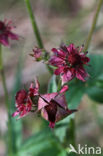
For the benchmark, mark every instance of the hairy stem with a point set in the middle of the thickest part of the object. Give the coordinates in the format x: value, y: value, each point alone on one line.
x: 93, y: 25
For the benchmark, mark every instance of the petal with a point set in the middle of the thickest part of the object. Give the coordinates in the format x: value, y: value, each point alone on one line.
x: 60, y: 99
x: 20, y: 97
x: 59, y: 52
x: 23, y: 113
x: 85, y: 59
x: 64, y: 89
x: 71, y: 48
x: 44, y: 114
x: 59, y: 70
x: 51, y: 110
x: 56, y: 61
x: 67, y: 76
x: 81, y: 74
x: 47, y: 97
x: 61, y: 113
x: 15, y: 114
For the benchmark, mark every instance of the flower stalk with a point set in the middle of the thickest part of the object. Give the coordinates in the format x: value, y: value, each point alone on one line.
x: 93, y: 25
x: 3, y: 79
x: 70, y: 134
x: 34, y: 24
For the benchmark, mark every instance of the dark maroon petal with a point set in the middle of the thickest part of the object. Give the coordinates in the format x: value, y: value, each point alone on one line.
x: 85, y: 59
x: 49, y: 115
x: 59, y: 52
x: 71, y: 48
x: 51, y: 110
x: 56, y: 61
x: 62, y: 113
x: 59, y: 70
x: 81, y: 74
x: 56, y: 51
x: 23, y: 113
x: 21, y: 97
x: 29, y: 105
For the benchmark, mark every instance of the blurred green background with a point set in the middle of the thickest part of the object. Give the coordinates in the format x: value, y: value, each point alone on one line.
x: 59, y: 21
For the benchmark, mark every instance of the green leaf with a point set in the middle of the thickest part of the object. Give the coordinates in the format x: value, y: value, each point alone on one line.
x: 75, y: 93
x: 61, y: 127
x: 96, y: 66
x: 62, y: 153
x: 96, y: 94
x: 36, y: 143
x: 53, y: 150
x: 52, y: 86
x: 95, y: 82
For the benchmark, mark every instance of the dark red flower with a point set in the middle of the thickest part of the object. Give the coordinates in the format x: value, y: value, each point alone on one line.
x: 33, y: 90
x: 6, y: 33
x: 37, y: 54
x: 24, y: 101
x: 53, y: 107
x: 70, y: 62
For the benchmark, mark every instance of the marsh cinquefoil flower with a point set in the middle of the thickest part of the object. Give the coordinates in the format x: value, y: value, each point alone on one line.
x: 70, y: 62
x: 53, y: 106
x: 37, y: 54
x: 24, y: 101
x: 6, y: 33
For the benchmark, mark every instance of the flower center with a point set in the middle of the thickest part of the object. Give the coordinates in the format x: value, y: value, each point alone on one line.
x: 74, y: 59
x: 51, y: 110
